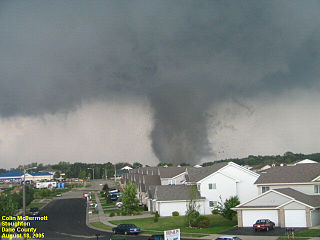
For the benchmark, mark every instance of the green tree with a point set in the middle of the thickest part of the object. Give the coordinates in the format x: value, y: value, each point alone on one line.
x: 82, y: 175
x: 129, y: 199
x: 136, y: 165
x: 8, y: 207
x: 225, y: 209
x: 56, y: 174
x: 192, y: 206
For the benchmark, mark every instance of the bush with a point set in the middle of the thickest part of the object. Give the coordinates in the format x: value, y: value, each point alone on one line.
x: 192, y: 218
x: 136, y: 213
x: 204, y: 224
x: 112, y: 214
x: 175, y: 213
x: 145, y: 208
x: 156, y: 217
x: 215, y: 211
x: 200, y: 219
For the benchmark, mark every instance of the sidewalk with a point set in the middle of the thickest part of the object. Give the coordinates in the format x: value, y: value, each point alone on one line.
x: 104, y: 218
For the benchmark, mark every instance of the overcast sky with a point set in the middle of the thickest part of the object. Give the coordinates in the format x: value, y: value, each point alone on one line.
x: 150, y: 81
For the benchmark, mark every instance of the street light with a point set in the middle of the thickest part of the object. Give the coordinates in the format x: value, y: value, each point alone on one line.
x: 92, y: 171
x: 24, y: 191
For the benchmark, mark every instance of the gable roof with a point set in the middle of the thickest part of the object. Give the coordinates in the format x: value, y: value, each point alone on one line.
x: 311, y: 200
x: 196, y: 174
x: 291, y: 195
x: 170, y: 172
x: 174, y: 192
x: 300, y: 173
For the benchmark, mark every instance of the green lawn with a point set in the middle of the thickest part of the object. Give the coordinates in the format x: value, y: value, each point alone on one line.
x: 296, y: 238
x: 309, y: 233
x: 107, y: 211
x: 38, y: 203
x: 217, y: 224
x: 101, y: 226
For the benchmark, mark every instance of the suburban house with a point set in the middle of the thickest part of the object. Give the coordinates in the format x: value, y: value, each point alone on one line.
x: 173, y: 198
x: 288, y: 196
x: 221, y: 181
x: 165, y: 188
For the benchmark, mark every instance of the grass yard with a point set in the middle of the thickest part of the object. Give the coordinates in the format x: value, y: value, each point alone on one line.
x: 101, y: 225
x: 217, y: 224
x: 115, y: 211
x: 38, y: 203
x: 309, y: 233
x: 296, y: 238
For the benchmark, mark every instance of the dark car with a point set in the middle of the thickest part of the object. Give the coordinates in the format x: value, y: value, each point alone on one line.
x: 126, y: 229
x: 34, y: 211
x: 156, y: 237
x: 263, y: 224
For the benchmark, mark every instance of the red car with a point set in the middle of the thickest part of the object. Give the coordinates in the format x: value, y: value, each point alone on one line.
x: 263, y: 224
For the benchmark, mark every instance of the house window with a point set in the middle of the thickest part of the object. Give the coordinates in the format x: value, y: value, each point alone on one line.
x: 212, y: 186
x: 198, y: 187
x: 316, y: 188
x: 265, y: 189
x: 213, y: 204
x: 172, y: 182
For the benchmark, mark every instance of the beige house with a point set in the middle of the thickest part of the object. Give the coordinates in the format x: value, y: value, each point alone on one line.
x: 286, y: 207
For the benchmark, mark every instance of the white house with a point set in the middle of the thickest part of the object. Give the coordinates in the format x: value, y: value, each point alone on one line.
x: 214, y: 183
x: 167, y: 199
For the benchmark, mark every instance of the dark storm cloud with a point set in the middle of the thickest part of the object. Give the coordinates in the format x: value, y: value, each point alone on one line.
x: 186, y: 56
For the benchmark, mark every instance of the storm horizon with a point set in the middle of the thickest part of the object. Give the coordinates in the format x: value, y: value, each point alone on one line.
x: 149, y: 81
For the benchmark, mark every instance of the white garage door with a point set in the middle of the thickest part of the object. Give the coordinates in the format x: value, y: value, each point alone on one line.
x: 295, y: 218
x: 249, y: 217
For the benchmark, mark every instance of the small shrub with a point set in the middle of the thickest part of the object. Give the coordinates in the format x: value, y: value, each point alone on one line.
x: 136, y: 213
x: 175, y: 213
x: 156, y: 217
x: 215, y: 211
x: 201, y: 219
x: 204, y: 224
x: 145, y: 208
x: 111, y: 214
x: 118, y: 213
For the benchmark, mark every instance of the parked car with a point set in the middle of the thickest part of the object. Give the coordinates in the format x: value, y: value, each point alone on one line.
x: 34, y: 211
x: 59, y: 195
x: 126, y: 229
x: 228, y: 238
x: 156, y: 237
x: 263, y: 224
x: 119, y: 204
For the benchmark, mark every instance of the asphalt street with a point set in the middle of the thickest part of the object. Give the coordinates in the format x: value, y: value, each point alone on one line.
x: 67, y: 220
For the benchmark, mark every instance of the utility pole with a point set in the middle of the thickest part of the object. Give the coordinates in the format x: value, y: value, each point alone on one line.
x: 24, y: 194
x: 115, y: 174
x: 24, y: 191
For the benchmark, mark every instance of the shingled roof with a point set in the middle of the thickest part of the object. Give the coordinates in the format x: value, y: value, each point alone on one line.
x: 196, y: 174
x: 170, y: 172
x: 300, y: 173
x: 174, y: 192
x: 311, y: 200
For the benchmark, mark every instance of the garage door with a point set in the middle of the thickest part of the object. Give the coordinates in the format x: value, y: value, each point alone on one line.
x: 249, y: 217
x: 295, y: 218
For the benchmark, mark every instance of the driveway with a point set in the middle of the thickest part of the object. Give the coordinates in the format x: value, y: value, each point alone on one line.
x: 249, y: 231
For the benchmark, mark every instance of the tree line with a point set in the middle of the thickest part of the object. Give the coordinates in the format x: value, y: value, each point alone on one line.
x: 79, y: 170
